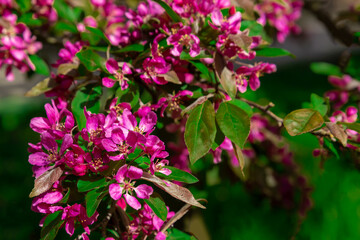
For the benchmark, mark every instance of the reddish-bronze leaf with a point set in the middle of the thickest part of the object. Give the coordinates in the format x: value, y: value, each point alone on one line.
x: 171, y: 76
x: 302, y: 121
x: 174, y: 190
x: 45, y: 181
x: 242, y: 40
x: 338, y: 132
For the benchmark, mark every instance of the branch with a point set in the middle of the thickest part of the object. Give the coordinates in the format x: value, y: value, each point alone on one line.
x: 342, y: 33
x: 265, y: 109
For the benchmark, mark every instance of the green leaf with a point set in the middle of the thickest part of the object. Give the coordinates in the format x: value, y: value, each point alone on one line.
x: 93, y: 199
x: 39, y: 88
x: 219, y: 138
x: 175, y: 234
x: 186, y: 56
x: 87, y: 96
x: 65, y: 11
x: 51, y: 226
x: 87, y: 185
x: 200, y: 131
x: 28, y: 19
x: 331, y: 147
x: 319, y: 104
x: 302, y: 121
x: 173, y: 15
x: 255, y: 28
x: 66, y: 197
x: 40, y: 65
x: 61, y: 27
x: 130, y: 95
x: 353, y: 66
x: 243, y: 105
x: 325, y: 69
x: 91, y: 60
x: 233, y: 122
x: 273, y: 52
x: 132, y: 48
x: 178, y: 175
x: 158, y: 206
x: 24, y: 5
x: 201, y: 67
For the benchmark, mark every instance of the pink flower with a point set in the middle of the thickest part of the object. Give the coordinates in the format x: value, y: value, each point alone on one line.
x: 226, y: 26
x: 53, y: 157
x: 184, y: 38
x: 75, y: 159
x: 16, y: 43
x: 67, y: 54
x: 118, y: 74
x: 74, y: 213
x: 253, y: 73
x: 118, y: 144
x: 282, y: 16
x: 154, y: 68
x: 172, y: 101
x: 97, y: 160
x: 53, y: 123
x: 44, y: 203
x: 125, y: 186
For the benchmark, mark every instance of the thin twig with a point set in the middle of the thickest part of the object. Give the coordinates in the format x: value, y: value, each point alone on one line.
x: 265, y: 109
x: 179, y: 214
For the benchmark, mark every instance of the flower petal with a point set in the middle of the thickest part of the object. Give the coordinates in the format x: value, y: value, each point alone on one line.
x: 143, y: 191
x: 115, y: 191
x: 132, y: 202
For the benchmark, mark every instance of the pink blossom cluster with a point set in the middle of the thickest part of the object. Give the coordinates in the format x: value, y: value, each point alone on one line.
x: 146, y: 223
x: 105, y: 139
x: 344, y: 85
x: 16, y: 44
x: 281, y: 16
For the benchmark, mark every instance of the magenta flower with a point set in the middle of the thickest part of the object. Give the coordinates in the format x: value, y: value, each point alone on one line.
x: 120, y: 145
x: 53, y: 157
x: 154, y: 145
x: 146, y: 125
x: 118, y: 74
x: 172, y: 101
x: 154, y: 68
x: 44, y: 8
x: 77, y: 213
x: 53, y: 123
x: 253, y: 73
x: 147, y: 223
x: 184, y: 38
x: 97, y: 161
x: 75, y: 159
x: 226, y: 26
x: 125, y: 186
x: 159, y: 166
x: 16, y: 42
x: 68, y: 54
x: 44, y: 203
x: 282, y: 16
x: 96, y: 126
